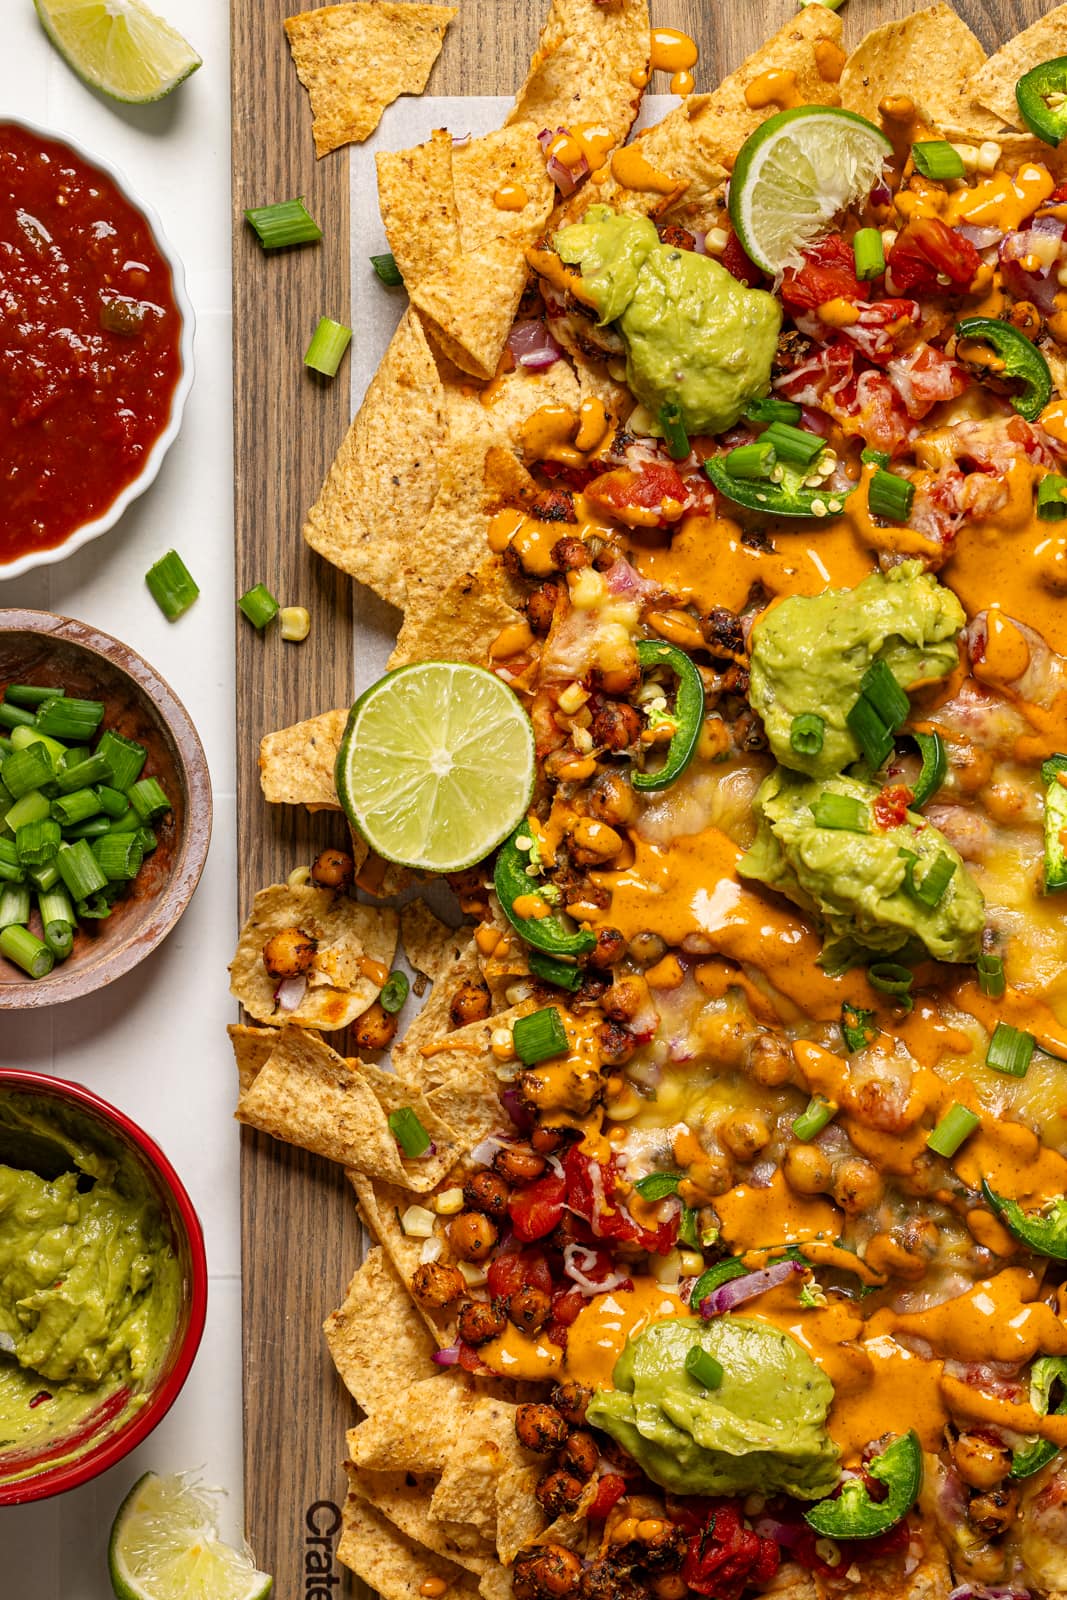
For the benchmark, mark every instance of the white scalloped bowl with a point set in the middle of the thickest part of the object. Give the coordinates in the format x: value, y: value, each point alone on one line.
x: 154, y: 460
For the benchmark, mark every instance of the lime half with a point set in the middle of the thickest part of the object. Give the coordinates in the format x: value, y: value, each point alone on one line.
x: 118, y: 46
x: 436, y: 766
x: 165, y: 1546
x: 795, y: 173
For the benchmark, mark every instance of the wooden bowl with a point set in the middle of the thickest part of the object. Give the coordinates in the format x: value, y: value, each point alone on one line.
x: 38, y: 647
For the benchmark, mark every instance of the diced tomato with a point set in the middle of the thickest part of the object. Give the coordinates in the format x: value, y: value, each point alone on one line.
x: 644, y: 497
x: 926, y: 249
x: 1058, y: 195
x: 567, y: 1305
x: 726, y: 1557
x: 514, y: 1269
x: 828, y: 273
x: 609, y: 1491
x: 924, y: 377
x: 471, y: 1361
x: 575, y: 477
x: 891, y: 805
x: 739, y: 264
x: 591, y: 1191
x: 536, y: 1210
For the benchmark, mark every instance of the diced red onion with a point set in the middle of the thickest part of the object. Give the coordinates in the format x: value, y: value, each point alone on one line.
x: 511, y: 1100
x: 762, y: 1175
x: 739, y: 1290
x: 1040, y: 286
x: 700, y: 245
x: 577, y: 1261
x: 881, y: 194
x: 446, y: 1358
x: 626, y: 583
x: 981, y: 238
x: 532, y: 345
x: 290, y: 992
x: 786, y: 1534
x: 483, y: 1153
x: 815, y: 421
x: 565, y: 178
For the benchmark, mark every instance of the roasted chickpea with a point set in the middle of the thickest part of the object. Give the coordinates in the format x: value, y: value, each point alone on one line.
x: 541, y: 608
x: 471, y: 1236
x: 769, y: 1060
x: 993, y: 1513
x: 615, y: 1043
x: 376, y: 1028
x: 580, y: 1454
x: 670, y: 1587
x: 546, y: 1140
x: 806, y: 1169
x: 540, y: 1428
x: 665, y: 1545
x: 486, y: 1192
x: 437, y: 1286
x: 616, y: 725
x: 528, y: 1308
x: 570, y: 554
x: 625, y: 998
x: 547, y: 1572
x: 1025, y: 316
x: 571, y: 1401
x: 619, y: 675
x: 470, y: 1003
x: 858, y: 1185
x: 609, y: 949
x: 611, y: 798
x: 516, y: 1165
x: 612, y: 1579
x: 723, y: 632
x: 558, y: 1493
x: 480, y: 1321
x: 592, y: 842
x: 745, y: 1134
x: 647, y: 948
x: 981, y: 1460
x: 334, y: 869
x: 289, y: 953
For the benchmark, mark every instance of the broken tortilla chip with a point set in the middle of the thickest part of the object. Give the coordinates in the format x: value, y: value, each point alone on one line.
x: 420, y: 1429
x: 356, y: 59
x: 404, y: 1497
x: 993, y: 86
x: 251, y: 1048
x: 296, y: 763
x: 470, y: 303
x: 584, y: 67
x: 418, y: 205
x: 932, y: 57
x: 381, y: 1206
x: 375, y: 1369
x: 431, y: 945
x: 511, y: 161
x: 396, y: 1566
x: 463, y: 621
x: 355, y: 944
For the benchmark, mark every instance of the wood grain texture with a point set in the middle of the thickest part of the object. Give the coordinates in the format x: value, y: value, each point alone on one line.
x: 300, y: 1237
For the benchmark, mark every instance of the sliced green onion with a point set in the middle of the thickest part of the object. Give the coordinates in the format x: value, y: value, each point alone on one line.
x: 70, y: 719
x: 98, y: 906
x: 841, y: 811
x: 80, y: 870
x: 550, y: 969
x: 147, y: 840
x: 688, y: 1229
x: 806, y: 733
x: 284, y: 223
x: 129, y: 822
x: 37, y: 842
x: 30, y: 808
x: 125, y: 757
x: 793, y: 445
x: 91, y: 828
x: 149, y: 799
x: 754, y: 460
x: 879, y: 686
x: 889, y: 977
x: 70, y: 809
x: 32, y: 694
x: 26, y: 770
x: 15, y: 717
x: 14, y: 905
x: 818, y: 1114
x: 937, y: 159
x: 890, y: 497
x: 112, y: 801
x: 22, y: 738
x: 670, y: 419
x: 119, y: 856
x: 388, y: 271
x: 875, y: 458
x: 328, y: 344
x: 769, y: 410
x: 991, y: 979
x: 929, y: 891
x: 408, y: 1132
x: 83, y: 774
x: 869, y: 732
x: 540, y: 1036
x: 258, y: 605
x: 26, y: 951
x: 1051, y: 501
x: 11, y: 868
x: 45, y: 878
x: 394, y: 992
x: 1010, y: 1051
x: 171, y: 585
x: 934, y: 767
x: 869, y: 252
x: 702, y: 1366
x: 857, y: 1025
x: 955, y: 1126
x: 657, y: 1185
x: 55, y: 906
x: 59, y: 937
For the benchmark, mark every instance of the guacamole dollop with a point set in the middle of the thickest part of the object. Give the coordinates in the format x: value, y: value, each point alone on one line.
x: 694, y: 335
x: 810, y: 652
x: 762, y: 1430
x: 89, y: 1283
x: 855, y: 884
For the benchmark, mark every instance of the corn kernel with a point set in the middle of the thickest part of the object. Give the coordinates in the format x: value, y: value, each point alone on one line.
x: 587, y: 588
x: 573, y: 698
x: 691, y: 1263
x: 715, y: 241
x: 666, y: 1269
x: 582, y: 740
x: 295, y: 623
x: 626, y: 1106
x: 968, y: 154
x: 299, y: 877
x: 988, y: 156
x: 417, y: 1222
x: 502, y: 1044
x: 448, y: 1202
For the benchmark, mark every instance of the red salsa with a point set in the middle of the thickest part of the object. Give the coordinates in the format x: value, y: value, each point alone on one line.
x: 89, y: 342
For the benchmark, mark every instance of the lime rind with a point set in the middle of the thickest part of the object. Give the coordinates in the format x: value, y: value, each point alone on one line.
x: 437, y: 765
x: 795, y: 174
x: 119, y: 47
x: 164, y: 1545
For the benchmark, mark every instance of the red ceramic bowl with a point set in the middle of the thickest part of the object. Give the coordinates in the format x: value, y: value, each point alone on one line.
x: 116, y: 1426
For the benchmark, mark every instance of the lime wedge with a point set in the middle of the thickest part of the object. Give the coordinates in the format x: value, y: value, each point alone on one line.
x: 436, y: 766
x: 118, y: 46
x: 795, y: 173
x: 165, y: 1546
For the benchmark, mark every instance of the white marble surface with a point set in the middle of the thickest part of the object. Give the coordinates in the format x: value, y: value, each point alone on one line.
x: 155, y: 1043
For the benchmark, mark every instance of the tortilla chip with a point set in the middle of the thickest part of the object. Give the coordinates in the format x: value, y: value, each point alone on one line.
x: 418, y: 206
x: 404, y: 1497
x: 488, y: 1479
x: 431, y: 945
x: 993, y: 86
x: 463, y: 622
x: 420, y: 1429
x: 356, y: 59
x: 396, y: 1566
x: 584, y: 67
x: 471, y: 301
x: 495, y: 1584
x: 932, y: 57
x: 381, y: 1206
x: 375, y: 1369
x: 350, y: 936
x: 433, y: 1021
x: 383, y: 480
x: 482, y: 167
x: 251, y: 1048
x: 296, y: 763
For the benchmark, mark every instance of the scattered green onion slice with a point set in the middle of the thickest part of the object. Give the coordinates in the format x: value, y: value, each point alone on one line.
x: 702, y: 1366
x: 657, y: 1185
x: 171, y: 585
x: 814, y: 1119
x: 930, y: 889
x: 889, y: 496
x: 883, y: 691
x: 869, y: 252
x: 889, y: 977
x: 394, y: 992
x: 258, y: 605
x: 875, y: 458
x: 1052, y: 497
x: 793, y: 445
x: 388, y: 271
x: 955, y: 1126
x: 550, y: 969
x: 670, y: 419
x: 768, y: 410
x: 870, y: 732
x: 937, y: 159
x: 26, y: 951
x: 750, y: 460
x: 539, y: 1036
x: 991, y: 979
x: 806, y: 733
x: 841, y: 811
x: 284, y: 223
x: 1010, y: 1050
x: 328, y: 344
x: 934, y: 767
x: 408, y: 1132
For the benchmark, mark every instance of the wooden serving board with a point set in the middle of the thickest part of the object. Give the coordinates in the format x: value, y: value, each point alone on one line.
x: 301, y: 1239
